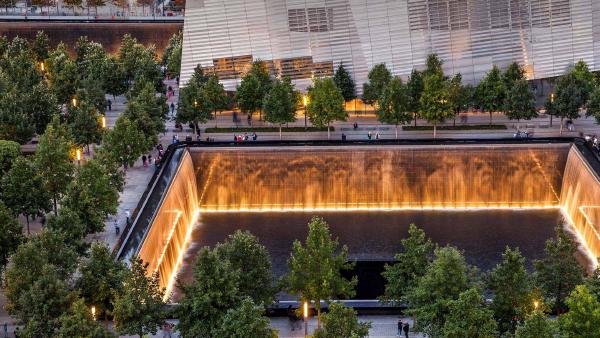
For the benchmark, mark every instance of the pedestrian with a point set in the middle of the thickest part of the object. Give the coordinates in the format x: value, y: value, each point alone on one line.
x: 5, y: 329
x: 177, y: 80
x: 343, y: 137
x: 369, y: 135
x: 355, y: 126
x: 172, y: 108
x: 150, y: 160
x: 399, y: 328
x: 249, y: 119
x: 117, y: 229
x: 173, y: 141
x: 254, y: 136
x: 377, y: 136
x: 234, y: 138
x: 128, y: 217
x: 405, y: 329
x: 109, y: 104
x: 144, y: 162
x: 245, y: 136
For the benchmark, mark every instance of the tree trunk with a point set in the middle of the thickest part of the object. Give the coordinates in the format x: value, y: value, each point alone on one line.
x: 490, y: 118
x: 550, y: 120
x: 328, y: 134
x: 396, y: 132
x: 434, y: 130
x: 415, y: 119
x: 280, y: 132
x: 561, y: 125
x: 27, y: 220
x: 54, y: 202
x: 216, y: 117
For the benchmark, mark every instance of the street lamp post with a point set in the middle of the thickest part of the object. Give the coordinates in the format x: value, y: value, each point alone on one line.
x: 551, y: 101
x: 305, y: 319
x: 78, y: 157
x: 305, y: 101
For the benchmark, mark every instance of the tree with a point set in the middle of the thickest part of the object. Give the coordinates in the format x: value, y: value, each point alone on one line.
x: 570, y: 96
x: 537, y: 325
x: 254, y: 87
x: 246, y: 320
x: 345, y: 83
x: 174, y: 64
x: 246, y: 255
x: 114, y: 78
x: 23, y: 192
x: 145, y: 3
x: 101, y: 279
x: 73, y: 229
x: 147, y: 110
x: 583, y: 318
x: 84, y: 122
x: 433, y: 65
x: 490, y: 92
x: 40, y: 105
x: 468, y: 317
x: 593, y: 106
x: 9, y: 151
x: 444, y: 280
x: 138, y: 310
x: 592, y: 282
x: 206, y: 300
x: 510, y: 284
x: 513, y: 74
x: 95, y: 4
x: 558, y: 272
x: 315, y: 269
x: 459, y: 95
x: 379, y: 77
x: 73, y: 4
x: 92, y: 196
x: 125, y: 143
x: 62, y: 75
x: 434, y: 102
x: 91, y: 90
x: 587, y: 79
x: 53, y: 160
x: 37, y: 291
x: 520, y: 101
x: 79, y: 322
x: 279, y: 104
x: 410, y: 265
x: 11, y: 236
x: 414, y: 87
x: 192, y: 107
x: 342, y: 321
x: 326, y: 103
x: 393, y: 105
x: 41, y: 46
x: 215, y: 96
x: 174, y: 41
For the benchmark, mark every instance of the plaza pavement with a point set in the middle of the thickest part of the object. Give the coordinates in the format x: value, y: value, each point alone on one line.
x: 138, y: 176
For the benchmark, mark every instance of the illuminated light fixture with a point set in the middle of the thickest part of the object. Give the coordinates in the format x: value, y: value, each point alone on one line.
x: 103, y: 122
x: 42, y: 67
x: 74, y: 102
x: 78, y: 155
x: 276, y: 208
x: 305, y: 100
x: 93, y: 312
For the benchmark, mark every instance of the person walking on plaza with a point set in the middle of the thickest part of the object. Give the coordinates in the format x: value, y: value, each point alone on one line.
x: 405, y: 328
x: 172, y: 108
x: 109, y: 104
x: 399, y: 328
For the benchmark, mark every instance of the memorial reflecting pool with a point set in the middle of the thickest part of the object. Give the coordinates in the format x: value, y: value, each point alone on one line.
x: 375, y: 236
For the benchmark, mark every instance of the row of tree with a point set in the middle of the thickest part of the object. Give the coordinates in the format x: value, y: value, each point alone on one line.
x: 80, y: 4
x: 54, y: 278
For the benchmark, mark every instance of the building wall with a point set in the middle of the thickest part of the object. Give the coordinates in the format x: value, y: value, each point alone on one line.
x: 304, y: 38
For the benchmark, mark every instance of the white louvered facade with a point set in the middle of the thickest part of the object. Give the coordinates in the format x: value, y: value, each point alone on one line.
x: 304, y: 38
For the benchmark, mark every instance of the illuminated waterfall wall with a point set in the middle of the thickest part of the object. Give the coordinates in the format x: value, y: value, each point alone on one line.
x: 580, y: 198
x: 167, y: 237
x: 384, y: 177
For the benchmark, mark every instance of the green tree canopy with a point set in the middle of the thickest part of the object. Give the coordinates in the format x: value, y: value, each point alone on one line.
x: 490, y: 93
x: 125, y: 143
x: 558, y: 272
x: 215, y: 96
x: 411, y: 264
x: 469, y: 318
x: 414, y: 86
x: 570, y: 96
x: 394, y: 104
x: 435, y: 100
x: 11, y: 236
x: 520, y: 101
x: 583, y: 318
x: 139, y: 308
x: 101, y: 279
x: 444, y: 280
x: 84, y: 124
x: 514, y: 73
x: 379, y: 77
x: 62, y: 75
x: 9, y: 151
x: 251, y: 259
x: 206, y: 300
x: 593, y: 106
x: 279, y: 104
x: 326, y: 103
x: 53, y: 159
x: 79, y: 322
x: 71, y: 227
x: 246, y: 320
x: 537, y: 325
x: 511, y: 285
x: 92, y: 196
x: 193, y: 107
x: 315, y: 268
x: 253, y: 89
x: 23, y: 190
x: 40, y: 46
x: 345, y: 83
x: 342, y: 321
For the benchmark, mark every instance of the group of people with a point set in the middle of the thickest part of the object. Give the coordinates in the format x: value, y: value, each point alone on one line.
x: 403, y: 328
x: 244, y: 137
